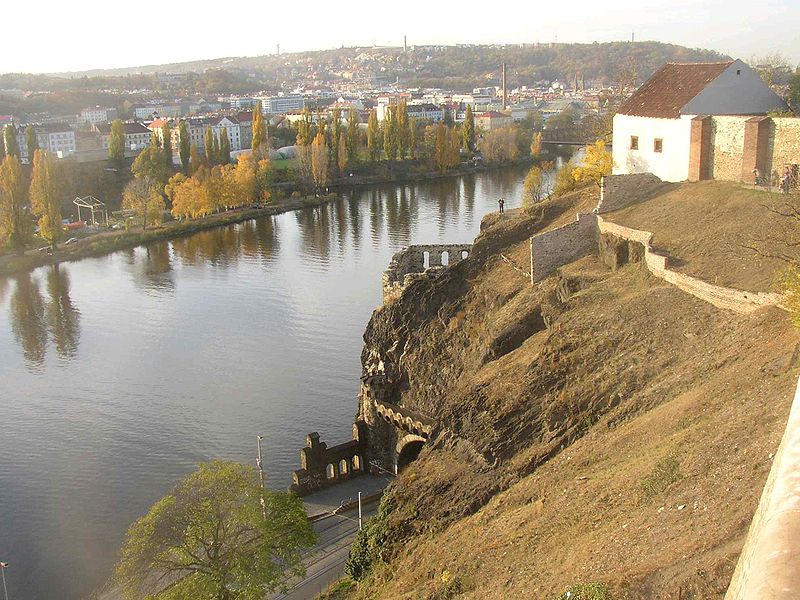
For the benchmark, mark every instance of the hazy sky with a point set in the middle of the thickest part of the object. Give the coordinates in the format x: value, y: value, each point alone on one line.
x: 87, y: 34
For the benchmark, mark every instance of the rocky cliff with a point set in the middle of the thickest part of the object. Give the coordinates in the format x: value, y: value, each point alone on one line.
x: 600, y: 428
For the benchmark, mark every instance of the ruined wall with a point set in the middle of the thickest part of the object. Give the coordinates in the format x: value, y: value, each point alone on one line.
x: 553, y: 249
x: 727, y: 144
x: 784, y: 144
x: 413, y: 260
x: 619, y: 191
x: 726, y: 298
x: 321, y: 466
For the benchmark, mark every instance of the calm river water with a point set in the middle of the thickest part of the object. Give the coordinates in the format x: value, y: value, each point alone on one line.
x: 118, y: 374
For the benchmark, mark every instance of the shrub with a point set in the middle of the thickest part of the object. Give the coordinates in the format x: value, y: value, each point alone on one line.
x: 565, y: 180
x: 587, y: 591
x: 368, y: 547
x: 666, y: 472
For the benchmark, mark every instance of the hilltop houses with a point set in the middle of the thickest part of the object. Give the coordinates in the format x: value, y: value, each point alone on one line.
x: 667, y: 127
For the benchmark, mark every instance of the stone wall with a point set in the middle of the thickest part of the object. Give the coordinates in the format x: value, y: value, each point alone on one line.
x: 784, y: 144
x: 769, y: 564
x: 409, y: 262
x: 321, y: 466
x: 727, y: 143
x: 619, y: 191
x: 735, y: 300
x: 553, y: 249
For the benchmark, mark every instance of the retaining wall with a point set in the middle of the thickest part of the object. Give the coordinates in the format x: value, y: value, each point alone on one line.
x: 727, y: 143
x: 769, y: 565
x: 739, y: 301
x: 619, y: 191
x: 413, y: 260
x: 553, y: 249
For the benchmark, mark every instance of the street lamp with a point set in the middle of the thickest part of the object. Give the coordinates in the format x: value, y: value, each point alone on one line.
x: 260, y: 464
x: 3, y: 567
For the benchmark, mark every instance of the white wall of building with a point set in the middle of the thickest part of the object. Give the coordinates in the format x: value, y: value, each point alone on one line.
x: 671, y: 164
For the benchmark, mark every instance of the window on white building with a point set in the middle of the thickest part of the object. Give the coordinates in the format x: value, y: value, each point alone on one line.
x: 658, y: 145
x: 634, y: 142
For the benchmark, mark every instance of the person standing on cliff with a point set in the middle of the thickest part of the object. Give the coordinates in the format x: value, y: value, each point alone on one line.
x: 501, y: 203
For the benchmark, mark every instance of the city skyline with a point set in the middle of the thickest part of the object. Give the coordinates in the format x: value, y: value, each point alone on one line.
x: 737, y: 28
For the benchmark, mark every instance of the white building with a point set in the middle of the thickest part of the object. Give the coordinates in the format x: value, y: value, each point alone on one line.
x: 58, y: 138
x: 280, y: 105
x: 137, y: 136
x: 652, y: 129
x: 97, y: 114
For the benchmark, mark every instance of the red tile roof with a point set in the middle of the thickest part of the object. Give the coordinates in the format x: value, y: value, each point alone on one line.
x: 671, y: 88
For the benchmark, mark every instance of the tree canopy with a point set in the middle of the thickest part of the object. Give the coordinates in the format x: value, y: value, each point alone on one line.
x: 207, y: 539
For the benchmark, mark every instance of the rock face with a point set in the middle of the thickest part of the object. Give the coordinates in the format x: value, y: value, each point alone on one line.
x: 545, y: 415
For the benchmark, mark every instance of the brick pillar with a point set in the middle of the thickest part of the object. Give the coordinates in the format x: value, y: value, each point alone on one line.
x: 756, y: 146
x: 700, y: 149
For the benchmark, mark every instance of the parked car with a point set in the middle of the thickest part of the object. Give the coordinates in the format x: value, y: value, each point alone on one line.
x: 71, y: 241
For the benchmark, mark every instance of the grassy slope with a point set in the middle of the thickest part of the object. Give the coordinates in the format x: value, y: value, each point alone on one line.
x: 627, y: 445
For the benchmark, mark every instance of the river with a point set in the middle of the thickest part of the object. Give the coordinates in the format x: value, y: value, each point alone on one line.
x: 119, y: 373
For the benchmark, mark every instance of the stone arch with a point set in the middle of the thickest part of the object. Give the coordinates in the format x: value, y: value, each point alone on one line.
x: 426, y: 260
x: 344, y: 467
x: 407, y: 450
x: 445, y: 258
x: 356, y: 462
x: 330, y: 472
x: 464, y: 254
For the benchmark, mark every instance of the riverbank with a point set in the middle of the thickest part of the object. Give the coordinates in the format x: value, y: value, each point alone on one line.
x: 112, y: 241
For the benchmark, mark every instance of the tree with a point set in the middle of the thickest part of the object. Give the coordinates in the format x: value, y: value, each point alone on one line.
x: 2, y: 149
x: 352, y: 136
x: 14, y: 223
x: 391, y: 141
x: 211, y: 158
x: 31, y: 142
x: 217, y: 150
x: 335, y: 132
x: 373, y: 136
x: 116, y: 143
x: 794, y: 91
x: 343, y: 154
x: 142, y: 196
x: 412, y: 138
x: 536, y: 144
x: 402, y: 131
x: 150, y: 164
x: 207, y: 539
x: 319, y: 161
x: 565, y: 181
x: 45, y: 201
x: 595, y: 165
x: 224, y: 147
x: 10, y: 140
x: 259, y: 130
x: 195, y: 159
x: 500, y: 145
x: 446, y: 147
x: 185, y: 147
x: 166, y: 135
x: 533, y: 186
x: 468, y: 131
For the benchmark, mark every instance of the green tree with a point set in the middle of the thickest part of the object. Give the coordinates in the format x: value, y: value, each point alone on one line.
x: 14, y: 223
x: 343, y: 155
x: 373, y: 136
x: 2, y: 149
x: 595, y: 165
x: 208, y: 539
x: 225, y: 147
x: 304, y: 137
x: 116, y: 143
x: 412, y: 138
x: 185, y: 149
x: 166, y: 135
x: 335, y: 131
x: 195, y: 159
x: 141, y: 195
x: 46, y: 180
x: 402, y: 131
x: 794, y: 91
x: 468, y: 131
x: 150, y: 164
x: 217, y: 150
x: 259, y: 129
x: 391, y: 141
x: 10, y: 140
x: 31, y: 142
x: 352, y: 136
x: 208, y: 140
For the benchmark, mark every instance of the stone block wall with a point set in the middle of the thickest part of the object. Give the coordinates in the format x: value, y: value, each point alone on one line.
x: 784, y: 144
x: 619, y: 191
x: 553, y: 249
x: 726, y: 148
x: 321, y: 466
x: 411, y: 261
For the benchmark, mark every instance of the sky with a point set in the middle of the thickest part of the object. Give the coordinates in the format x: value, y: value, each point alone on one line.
x: 94, y: 34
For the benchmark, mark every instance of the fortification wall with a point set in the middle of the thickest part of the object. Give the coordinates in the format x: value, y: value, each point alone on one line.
x: 784, y: 144
x: 553, y: 249
x: 410, y: 262
x: 619, y: 191
x: 769, y: 565
x: 727, y: 144
x: 739, y: 301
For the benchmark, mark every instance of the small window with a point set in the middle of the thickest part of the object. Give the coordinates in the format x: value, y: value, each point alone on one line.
x: 658, y: 144
x: 634, y: 142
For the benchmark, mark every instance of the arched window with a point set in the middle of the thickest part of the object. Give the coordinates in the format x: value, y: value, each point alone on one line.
x: 356, y: 463
x: 343, y: 467
x: 331, y: 472
x: 445, y: 258
x: 426, y: 260
x: 464, y: 254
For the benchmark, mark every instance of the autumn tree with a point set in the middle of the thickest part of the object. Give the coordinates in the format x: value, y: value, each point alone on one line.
x: 224, y: 147
x: 150, y: 164
x: 565, y: 180
x: 500, y: 145
x: 536, y: 144
x: 402, y: 131
x: 46, y: 181
x: 208, y: 140
x: 304, y: 151
x: 166, y: 136
x: 446, y: 147
x: 468, y: 131
x: 142, y: 197
x: 14, y: 223
x: 391, y: 140
x: 116, y: 143
x: 319, y: 161
x: 533, y: 186
x: 596, y: 164
x: 10, y: 140
x: 31, y: 142
x: 184, y: 145
x: 412, y: 138
x: 373, y: 136
x: 195, y: 159
x: 259, y: 130
x: 335, y: 133
x: 352, y: 136
x: 208, y: 539
x: 189, y: 195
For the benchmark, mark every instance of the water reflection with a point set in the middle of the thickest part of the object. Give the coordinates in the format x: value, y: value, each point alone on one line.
x: 33, y: 320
